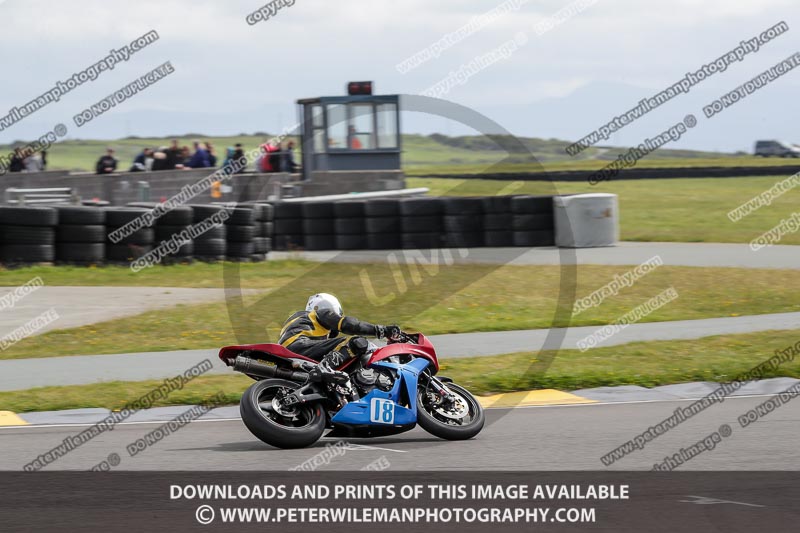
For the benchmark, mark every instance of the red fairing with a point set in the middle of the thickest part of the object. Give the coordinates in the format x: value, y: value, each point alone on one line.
x: 230, y: 352
x: 423, y: 349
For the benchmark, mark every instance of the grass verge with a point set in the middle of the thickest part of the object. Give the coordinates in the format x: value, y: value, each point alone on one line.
x: 648, y: 364
x: 458, y: 299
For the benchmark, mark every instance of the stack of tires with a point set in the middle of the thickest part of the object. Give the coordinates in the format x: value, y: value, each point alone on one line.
x: 350, y: 225
x: 463, y: 222
x: 241, y: 230
x: 421, y: 222
x: 288, y: 226
x: 262, y: 243
x: 170, y: 225
x: 27, y: 234
x: 498, y: 221
x: 212, y: 245
x: 533, y: 220
x: 81, y: 235
x: 318, y: 226
x: 382, y: 223
x: 131, y: 246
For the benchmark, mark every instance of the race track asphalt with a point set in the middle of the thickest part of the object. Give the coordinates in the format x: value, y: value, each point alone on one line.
x: 527, y: 438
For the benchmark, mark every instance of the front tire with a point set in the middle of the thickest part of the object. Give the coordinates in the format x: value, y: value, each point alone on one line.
x: 296, y: 427
x: 446, y: 423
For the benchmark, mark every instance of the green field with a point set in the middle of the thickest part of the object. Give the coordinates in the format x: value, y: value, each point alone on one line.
x: 668, y: 210
x: 455, y: 299
x: 720, y: 359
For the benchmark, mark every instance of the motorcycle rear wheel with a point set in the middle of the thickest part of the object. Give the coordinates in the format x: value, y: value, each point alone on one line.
x: 434, y: 419
x: 296, y: 427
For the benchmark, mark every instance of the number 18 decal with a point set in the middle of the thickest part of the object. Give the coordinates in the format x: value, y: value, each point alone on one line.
x: 381, y: 411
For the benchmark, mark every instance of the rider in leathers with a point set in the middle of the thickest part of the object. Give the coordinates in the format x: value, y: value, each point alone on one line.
x: 315, y: 331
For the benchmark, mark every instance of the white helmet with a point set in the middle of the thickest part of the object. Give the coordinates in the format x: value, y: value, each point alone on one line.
x: 324, y: 300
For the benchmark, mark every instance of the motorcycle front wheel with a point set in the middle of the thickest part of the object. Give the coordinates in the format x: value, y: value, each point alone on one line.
x: 460, y: 420
x: 293, y: 427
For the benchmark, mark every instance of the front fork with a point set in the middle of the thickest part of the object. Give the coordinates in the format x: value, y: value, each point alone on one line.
x: 440, y: 388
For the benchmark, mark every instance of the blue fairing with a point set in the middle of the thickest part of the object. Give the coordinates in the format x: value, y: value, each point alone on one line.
x: 381, y: 408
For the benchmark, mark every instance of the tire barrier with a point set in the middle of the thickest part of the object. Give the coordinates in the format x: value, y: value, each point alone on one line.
x: 318, y: 230
x: 633, y: 173
x: 382, y: 224
x: 27, y: 234
x: 80, y: 235
x: 212, y: 245
x: 262, y: 241
x: 411, y: 223
x: 241, y: 231
x: 350, y: 225
x: 132, y: 246
x: 170, y: 225
x: 287, y: 232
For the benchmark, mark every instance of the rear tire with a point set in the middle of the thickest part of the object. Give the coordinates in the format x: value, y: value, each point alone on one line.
x: 436, y: 424
x: 302, y: 429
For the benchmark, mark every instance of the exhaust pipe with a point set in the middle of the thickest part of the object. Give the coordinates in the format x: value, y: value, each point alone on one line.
x: 254, y: 367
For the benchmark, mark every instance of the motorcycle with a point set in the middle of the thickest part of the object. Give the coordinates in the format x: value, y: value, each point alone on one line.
x: 390, y: 390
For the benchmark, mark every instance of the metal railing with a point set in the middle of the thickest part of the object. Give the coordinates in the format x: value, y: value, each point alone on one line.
x: 54, y: 195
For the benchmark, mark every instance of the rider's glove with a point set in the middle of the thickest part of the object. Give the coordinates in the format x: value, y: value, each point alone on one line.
x: 387, y: 332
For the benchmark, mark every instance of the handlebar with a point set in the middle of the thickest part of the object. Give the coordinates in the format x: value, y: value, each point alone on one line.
x: 403, y: 337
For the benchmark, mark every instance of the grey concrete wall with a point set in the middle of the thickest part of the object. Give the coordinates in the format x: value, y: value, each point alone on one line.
x: 122, y: 188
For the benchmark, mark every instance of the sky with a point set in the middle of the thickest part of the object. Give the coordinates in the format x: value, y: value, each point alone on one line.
x: 232, y: 77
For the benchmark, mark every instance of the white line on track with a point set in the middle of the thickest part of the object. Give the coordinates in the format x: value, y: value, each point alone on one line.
x: 89, y: 424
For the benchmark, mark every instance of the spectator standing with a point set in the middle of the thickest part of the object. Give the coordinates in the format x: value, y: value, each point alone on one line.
x: 238, y: 155
x: 160, y: 161
x: 33, y: 163
x: 212, y: 155
x: 186, y: 156
x: 17, y: 162
x: 200, y: 157
x: 289, y: 162
x: 107, y: 163
x: 174, y: 155
x: 267, y: 158
x: 143, y: 161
